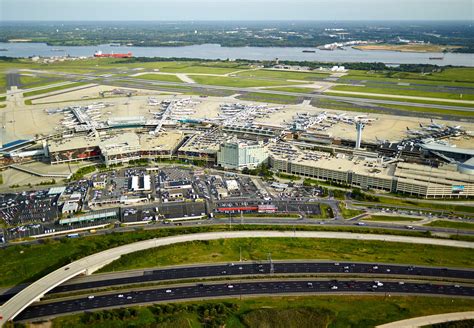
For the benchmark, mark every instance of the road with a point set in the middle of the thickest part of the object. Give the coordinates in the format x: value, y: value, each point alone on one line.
x: 254, y: 269
x: 91, y: 263
x: 237, y: 289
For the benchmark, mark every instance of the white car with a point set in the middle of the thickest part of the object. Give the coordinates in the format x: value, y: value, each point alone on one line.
x: 169, y: 291
x: 334, y: 287
x: 120, y: 295
x: 91, y: 297
x: 401, y: 283
x: 230, y: 286
x: 378, y: 283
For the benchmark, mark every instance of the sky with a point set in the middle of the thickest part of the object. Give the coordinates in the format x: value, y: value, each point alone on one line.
x: 156, y: 10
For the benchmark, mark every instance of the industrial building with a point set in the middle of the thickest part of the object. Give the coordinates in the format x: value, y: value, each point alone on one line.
x: 237, y: 155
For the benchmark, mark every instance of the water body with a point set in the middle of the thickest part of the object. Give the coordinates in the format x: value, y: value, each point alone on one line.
x: 213, y: 51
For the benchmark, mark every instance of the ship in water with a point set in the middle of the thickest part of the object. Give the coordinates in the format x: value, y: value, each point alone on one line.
x: 310, y: 51
x: 101, y: 54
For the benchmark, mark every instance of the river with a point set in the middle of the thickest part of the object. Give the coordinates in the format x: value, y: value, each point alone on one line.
x: 213, y: 51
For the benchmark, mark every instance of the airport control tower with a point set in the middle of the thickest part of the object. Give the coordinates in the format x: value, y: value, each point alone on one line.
x: 359, y: 127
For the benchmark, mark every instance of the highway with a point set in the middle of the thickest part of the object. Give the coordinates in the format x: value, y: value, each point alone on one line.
x: 89, y: 264
x: 237, y: 289
x: 262, y: 268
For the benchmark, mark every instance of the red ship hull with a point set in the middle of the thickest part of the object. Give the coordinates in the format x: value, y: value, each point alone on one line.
x: 128, y: 55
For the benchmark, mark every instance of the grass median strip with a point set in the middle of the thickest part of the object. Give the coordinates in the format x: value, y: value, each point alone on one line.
x: 451, y: 224
x: 237, y: 82
x: 61, y: 87
x: 159, y: 77
x: 387, y: 218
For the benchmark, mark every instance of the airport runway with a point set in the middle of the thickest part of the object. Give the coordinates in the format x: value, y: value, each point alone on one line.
x: 133, y: 83
x: 213, y: 290
x: 13, y: 80
x: 253, y: 269
x: 143, y: 83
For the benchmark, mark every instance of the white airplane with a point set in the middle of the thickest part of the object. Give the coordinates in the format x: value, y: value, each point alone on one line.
x: 415, y: 132
x: 435, y: 125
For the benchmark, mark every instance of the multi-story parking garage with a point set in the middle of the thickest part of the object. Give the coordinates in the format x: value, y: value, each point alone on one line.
x: 367, y: 173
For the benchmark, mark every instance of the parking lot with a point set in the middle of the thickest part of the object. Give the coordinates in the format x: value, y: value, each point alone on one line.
x: 18, y: 209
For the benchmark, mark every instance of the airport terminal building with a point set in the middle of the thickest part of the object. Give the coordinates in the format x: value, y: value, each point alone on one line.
x: 114, y: 149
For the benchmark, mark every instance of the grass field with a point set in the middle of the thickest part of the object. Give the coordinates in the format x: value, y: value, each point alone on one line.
x: 159, y: 77
x: 403, y: 91
x: 284, y: 75
x: 237, y: 82
x: 275, y: 312
x: 451, y: 224
x: 191, y: 67
x: 348, y: 213
x: 58, y: 88
x: 254, y: 249
x: 388, y: 218
x: 26, y: 79
x: 448, y: 77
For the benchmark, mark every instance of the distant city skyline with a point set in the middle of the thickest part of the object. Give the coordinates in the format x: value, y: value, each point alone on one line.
x: 165, y: 10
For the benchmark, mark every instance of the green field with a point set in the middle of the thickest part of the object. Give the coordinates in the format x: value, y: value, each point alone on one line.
x: 275, y: 312
x: 451, y: 224
x: 26, y: 79
x: 387, y: 218
x: 348, y: 213
x: 191, y: 67
x: 159, y: 77
x: 448, y: 77
x: 58, y: 88
x: 237, y: 82
x: 255, y: 249
x: 402, y: 91
x: 286, y: 75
